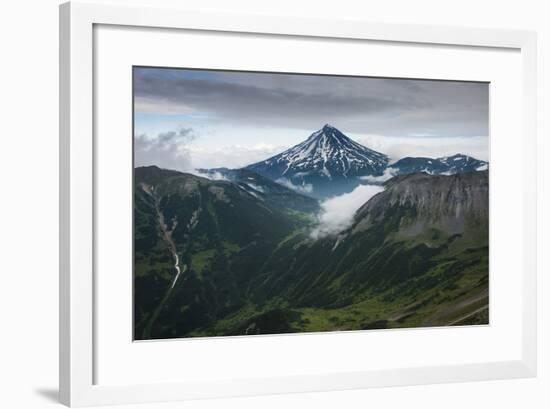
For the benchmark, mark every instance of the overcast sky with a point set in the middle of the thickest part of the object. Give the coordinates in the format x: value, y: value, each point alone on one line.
x: 187, y: 119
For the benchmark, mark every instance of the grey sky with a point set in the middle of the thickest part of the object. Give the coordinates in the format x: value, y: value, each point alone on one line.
x: 236, y: 117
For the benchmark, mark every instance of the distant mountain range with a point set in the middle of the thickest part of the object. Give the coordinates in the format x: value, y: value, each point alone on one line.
x: 447, y: 165
x: 329, y: 163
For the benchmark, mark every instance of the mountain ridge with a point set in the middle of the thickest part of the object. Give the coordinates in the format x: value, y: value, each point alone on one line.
x: 457, y: 163
x: 329, y: 163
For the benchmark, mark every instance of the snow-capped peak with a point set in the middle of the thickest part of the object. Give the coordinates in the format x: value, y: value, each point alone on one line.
x: 327, y: 154
x: 461, y: 163
x: 446, y: 165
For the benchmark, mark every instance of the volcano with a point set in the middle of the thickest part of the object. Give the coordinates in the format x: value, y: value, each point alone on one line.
x: 326, y: 157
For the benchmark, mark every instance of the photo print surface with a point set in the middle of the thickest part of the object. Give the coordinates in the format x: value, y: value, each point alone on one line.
x: 271, y: 203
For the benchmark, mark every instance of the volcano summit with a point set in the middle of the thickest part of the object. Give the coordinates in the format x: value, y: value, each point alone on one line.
x: 328, y: 160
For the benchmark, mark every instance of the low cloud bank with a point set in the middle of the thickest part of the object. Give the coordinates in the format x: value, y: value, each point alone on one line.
x: 337, y: 213
x: 169, y: 150
x: 388, y: 174
x: 210, y: 175
x: 304, y: 188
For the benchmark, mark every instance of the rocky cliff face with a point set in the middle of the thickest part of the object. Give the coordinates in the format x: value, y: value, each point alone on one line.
x: 448, y: 203
x: 422, y: 228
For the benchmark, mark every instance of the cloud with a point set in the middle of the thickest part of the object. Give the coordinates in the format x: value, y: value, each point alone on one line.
x: 337, y: 213
x: 154, y: 105
x: 387, y: 175
x: 183, y: 150
x: 166, y: 149
x: 231, y: 156
x: 303, y: 188
x: 247, y: 117
x: 256, y: 97
x: 393, y: 107
x: 209, y: 175
x: 433, y: 147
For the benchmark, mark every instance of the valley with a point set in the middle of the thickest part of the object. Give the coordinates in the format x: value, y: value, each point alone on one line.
x: 298, y: 202
x: 231, y: 252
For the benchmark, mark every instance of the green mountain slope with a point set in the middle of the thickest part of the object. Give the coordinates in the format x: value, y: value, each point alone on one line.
x: 221, y: 233
x: 415, y: 255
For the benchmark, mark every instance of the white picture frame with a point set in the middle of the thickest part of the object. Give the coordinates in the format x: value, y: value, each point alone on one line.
x: 77, y: 185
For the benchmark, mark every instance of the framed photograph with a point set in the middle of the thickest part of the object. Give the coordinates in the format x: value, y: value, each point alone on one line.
x: 255, y: 204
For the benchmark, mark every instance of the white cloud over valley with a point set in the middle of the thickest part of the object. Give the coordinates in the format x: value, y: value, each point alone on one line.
x: 337, y: 213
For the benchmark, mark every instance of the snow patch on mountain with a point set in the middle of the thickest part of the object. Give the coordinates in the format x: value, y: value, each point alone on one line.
x: 447, y: 165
